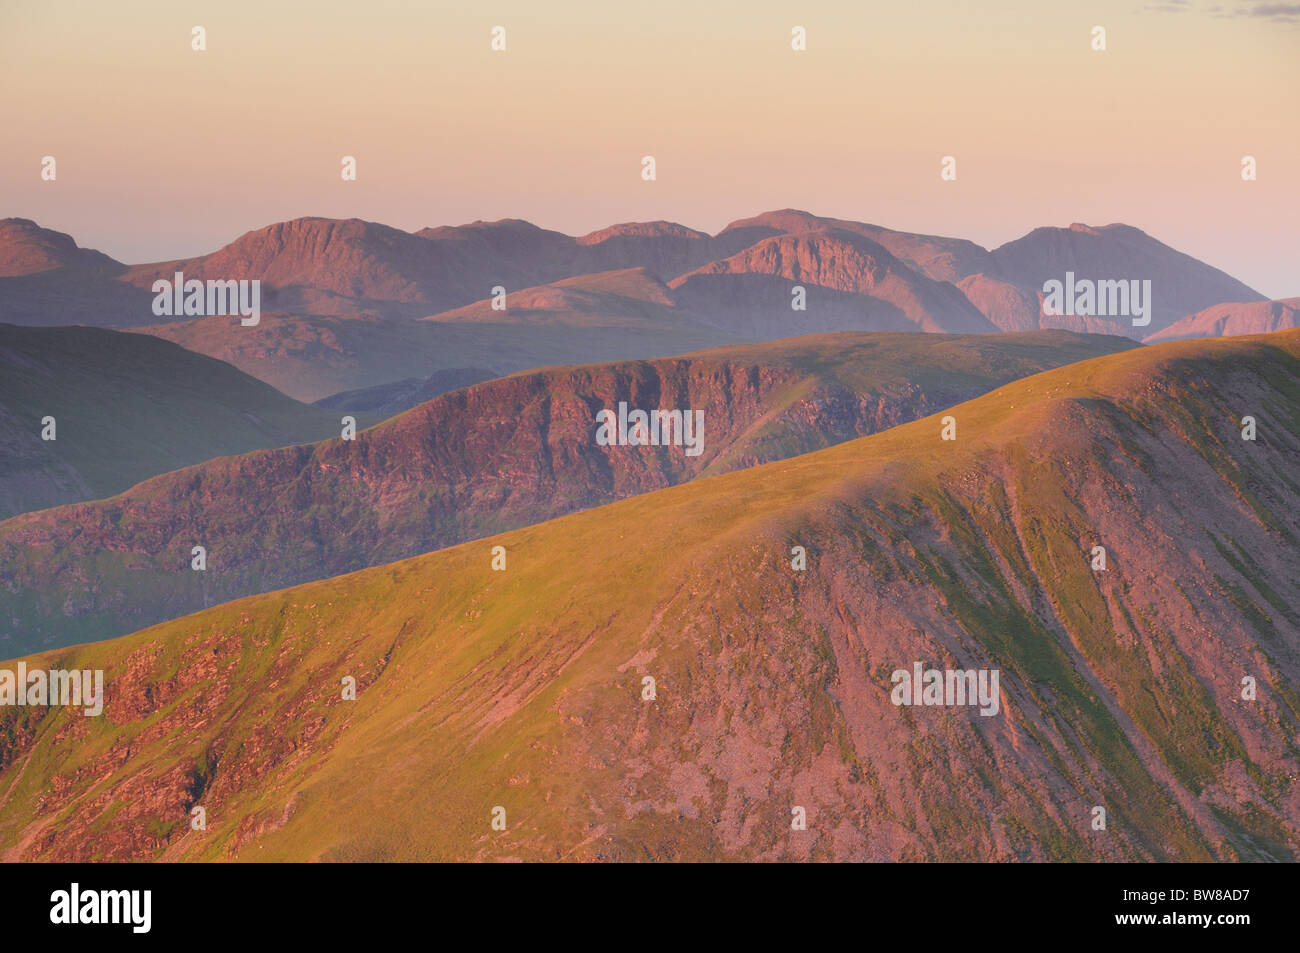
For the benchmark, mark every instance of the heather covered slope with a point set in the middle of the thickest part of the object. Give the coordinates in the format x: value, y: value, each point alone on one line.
x: 522, y: 688
x: 491, y: 457
x: 126, y: 407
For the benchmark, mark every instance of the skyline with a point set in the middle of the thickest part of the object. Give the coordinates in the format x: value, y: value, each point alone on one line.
x: 252, y: 130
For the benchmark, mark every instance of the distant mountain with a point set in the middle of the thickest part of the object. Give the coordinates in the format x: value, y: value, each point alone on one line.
x: 630, y: 296
x: 321, y: 277
x: 390, y: 399
x: 1013, y: 308
x: 936, y: 257
x: 662, y: 248
x: 1180, y: 284
x: 312, y: 358
x: 46, y: 279
x: 1242, y: 317
x: 853, y: 282
x: 28, y: 249
x: 491, y: 457
x: 655, y: 680
x: 329, y: 267
x: 126, y: 407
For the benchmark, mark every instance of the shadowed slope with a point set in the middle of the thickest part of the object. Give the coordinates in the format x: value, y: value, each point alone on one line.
x: 126, y: 407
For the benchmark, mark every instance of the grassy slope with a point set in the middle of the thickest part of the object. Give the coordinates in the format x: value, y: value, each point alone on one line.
x: 479, y: 461
x: 128, y: 407
x: 520, y: 688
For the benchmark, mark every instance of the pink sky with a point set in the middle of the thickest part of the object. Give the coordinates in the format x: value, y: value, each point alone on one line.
x: 164, y: 152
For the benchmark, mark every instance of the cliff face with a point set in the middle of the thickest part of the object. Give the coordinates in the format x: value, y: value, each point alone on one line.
x: 525, y: 689
x: 491, y: 457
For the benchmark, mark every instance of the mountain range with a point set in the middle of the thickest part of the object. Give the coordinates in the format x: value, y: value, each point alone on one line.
x: 521, y: 693
x: 475, y: 461
x: 563, y: 648
x: 351, y: 305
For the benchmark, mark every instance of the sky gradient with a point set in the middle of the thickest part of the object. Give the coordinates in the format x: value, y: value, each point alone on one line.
x: 164, y: 152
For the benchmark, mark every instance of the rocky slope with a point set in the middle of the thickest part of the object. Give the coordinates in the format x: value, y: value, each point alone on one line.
x: 524, y: 690
x: 491, y: 457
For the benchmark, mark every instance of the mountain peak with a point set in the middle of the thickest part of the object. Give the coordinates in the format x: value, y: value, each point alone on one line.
x: 27, y: 249
x: 656, y: 229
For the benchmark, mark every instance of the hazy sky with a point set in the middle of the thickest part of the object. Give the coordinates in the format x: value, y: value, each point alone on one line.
x: 164, y: 152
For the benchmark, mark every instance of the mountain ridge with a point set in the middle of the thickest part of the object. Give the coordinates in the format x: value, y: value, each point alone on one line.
x: 471, y: 462
x: 523, y: 689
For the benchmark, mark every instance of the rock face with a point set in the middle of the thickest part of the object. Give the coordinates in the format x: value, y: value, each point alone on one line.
x: 1119, y: 689
x: 491, y: 457
x: 1241, y: 317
